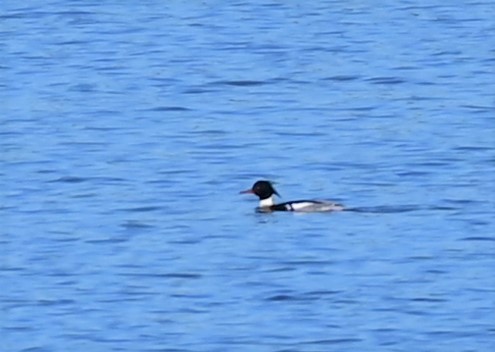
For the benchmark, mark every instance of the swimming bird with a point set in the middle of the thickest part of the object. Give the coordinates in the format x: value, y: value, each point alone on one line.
x: 266, y: 193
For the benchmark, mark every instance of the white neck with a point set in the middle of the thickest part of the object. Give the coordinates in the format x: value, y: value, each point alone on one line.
x: 268, y: 202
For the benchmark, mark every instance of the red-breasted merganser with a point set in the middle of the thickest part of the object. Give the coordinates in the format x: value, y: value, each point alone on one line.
x: 266, y: 193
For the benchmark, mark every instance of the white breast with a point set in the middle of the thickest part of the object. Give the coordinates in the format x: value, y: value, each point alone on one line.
x: 268, y: 202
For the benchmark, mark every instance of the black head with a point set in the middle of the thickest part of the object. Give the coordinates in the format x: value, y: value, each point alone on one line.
x: 263, y: 189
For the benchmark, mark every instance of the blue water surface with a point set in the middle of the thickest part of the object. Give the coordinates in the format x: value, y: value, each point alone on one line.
x: 127, y: 130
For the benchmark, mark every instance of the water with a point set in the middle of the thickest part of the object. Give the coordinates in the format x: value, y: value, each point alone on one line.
x: 127, y: 131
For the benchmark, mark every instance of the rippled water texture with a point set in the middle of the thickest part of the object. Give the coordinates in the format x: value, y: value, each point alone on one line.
x: 128, y: 129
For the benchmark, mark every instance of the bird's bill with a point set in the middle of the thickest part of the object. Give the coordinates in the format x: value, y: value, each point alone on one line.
x: 247, y: 191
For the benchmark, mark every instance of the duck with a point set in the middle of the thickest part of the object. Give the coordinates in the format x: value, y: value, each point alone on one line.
x: 266, y: 193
